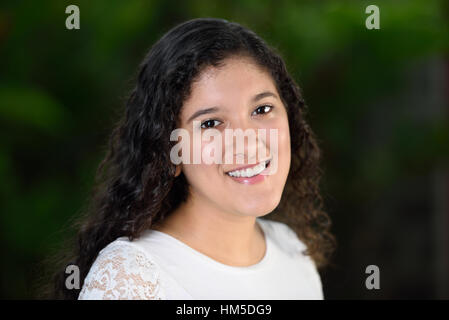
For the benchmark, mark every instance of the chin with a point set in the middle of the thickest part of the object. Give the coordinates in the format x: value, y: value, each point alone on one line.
x: 259, y: 208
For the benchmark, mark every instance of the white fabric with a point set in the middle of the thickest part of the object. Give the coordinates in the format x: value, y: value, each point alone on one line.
x: 159, y: 266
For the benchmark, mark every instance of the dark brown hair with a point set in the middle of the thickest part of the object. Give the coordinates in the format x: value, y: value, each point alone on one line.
x: 135, y: 183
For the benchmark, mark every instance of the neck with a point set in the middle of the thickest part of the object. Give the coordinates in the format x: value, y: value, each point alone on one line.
x: 226, y: 237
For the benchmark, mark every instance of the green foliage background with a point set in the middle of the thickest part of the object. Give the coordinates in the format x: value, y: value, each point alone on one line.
x: 61, y: 90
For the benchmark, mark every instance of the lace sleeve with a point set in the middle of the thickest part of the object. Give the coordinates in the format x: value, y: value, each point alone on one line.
x: 122, y: 271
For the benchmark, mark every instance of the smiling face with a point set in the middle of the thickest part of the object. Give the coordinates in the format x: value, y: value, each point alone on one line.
x: 237, y: 95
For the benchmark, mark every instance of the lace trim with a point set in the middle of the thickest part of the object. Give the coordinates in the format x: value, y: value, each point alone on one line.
x: 122, y: 272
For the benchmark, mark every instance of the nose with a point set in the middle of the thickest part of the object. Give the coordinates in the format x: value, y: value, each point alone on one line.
x: 244, y: 143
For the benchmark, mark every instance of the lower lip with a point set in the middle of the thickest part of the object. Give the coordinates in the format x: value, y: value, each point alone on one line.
x: 252, y: 180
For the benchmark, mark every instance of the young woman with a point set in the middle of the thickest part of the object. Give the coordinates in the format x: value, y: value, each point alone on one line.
x: 157, y: 229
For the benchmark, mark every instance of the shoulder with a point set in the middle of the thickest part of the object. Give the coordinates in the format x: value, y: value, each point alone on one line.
x: 283, y: 235
x: 288, y: 242
x: 122, y: 270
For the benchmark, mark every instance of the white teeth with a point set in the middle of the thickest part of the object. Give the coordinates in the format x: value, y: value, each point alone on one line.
x: 249, y: 172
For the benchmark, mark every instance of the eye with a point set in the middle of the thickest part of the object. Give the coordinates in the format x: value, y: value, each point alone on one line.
x: 262, y: 109
x: 210, y: 124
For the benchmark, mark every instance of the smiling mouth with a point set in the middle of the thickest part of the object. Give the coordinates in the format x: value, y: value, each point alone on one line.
x: 249, y: 172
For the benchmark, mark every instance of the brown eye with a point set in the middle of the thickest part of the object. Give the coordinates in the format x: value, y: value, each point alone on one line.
x: 210, y: 124
x: 262, y: 109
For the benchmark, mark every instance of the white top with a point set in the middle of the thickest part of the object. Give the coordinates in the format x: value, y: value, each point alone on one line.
x: 159, y: 266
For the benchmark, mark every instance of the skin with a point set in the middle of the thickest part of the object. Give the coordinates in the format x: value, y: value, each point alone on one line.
x: 219, y: 217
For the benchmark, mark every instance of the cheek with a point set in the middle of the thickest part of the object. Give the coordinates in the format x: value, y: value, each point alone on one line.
x: 284, y: 141
x: 199, y: 172
x: 279, y: 143
x: 204, y: 148
x: 199, y: 176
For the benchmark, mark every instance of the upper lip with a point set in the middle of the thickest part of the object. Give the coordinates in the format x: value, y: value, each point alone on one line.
x: 247, y: 166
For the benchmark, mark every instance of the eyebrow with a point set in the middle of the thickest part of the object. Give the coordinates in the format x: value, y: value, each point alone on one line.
x: 264, y: 94
x: 256, y: 98
x: 203, y: 111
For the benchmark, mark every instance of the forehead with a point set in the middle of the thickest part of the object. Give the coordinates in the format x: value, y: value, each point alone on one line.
x: 231, y: 84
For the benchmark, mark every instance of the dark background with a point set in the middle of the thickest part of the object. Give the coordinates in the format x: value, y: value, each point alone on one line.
x: 379, y: 102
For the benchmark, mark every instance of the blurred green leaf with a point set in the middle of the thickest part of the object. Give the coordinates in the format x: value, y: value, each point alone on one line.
x: 31, y: 107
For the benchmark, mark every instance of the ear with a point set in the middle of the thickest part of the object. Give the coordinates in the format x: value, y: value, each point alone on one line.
x: 178, y: 171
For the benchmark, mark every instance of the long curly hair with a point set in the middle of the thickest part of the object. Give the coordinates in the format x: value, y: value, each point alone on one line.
x: 135, y: 185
